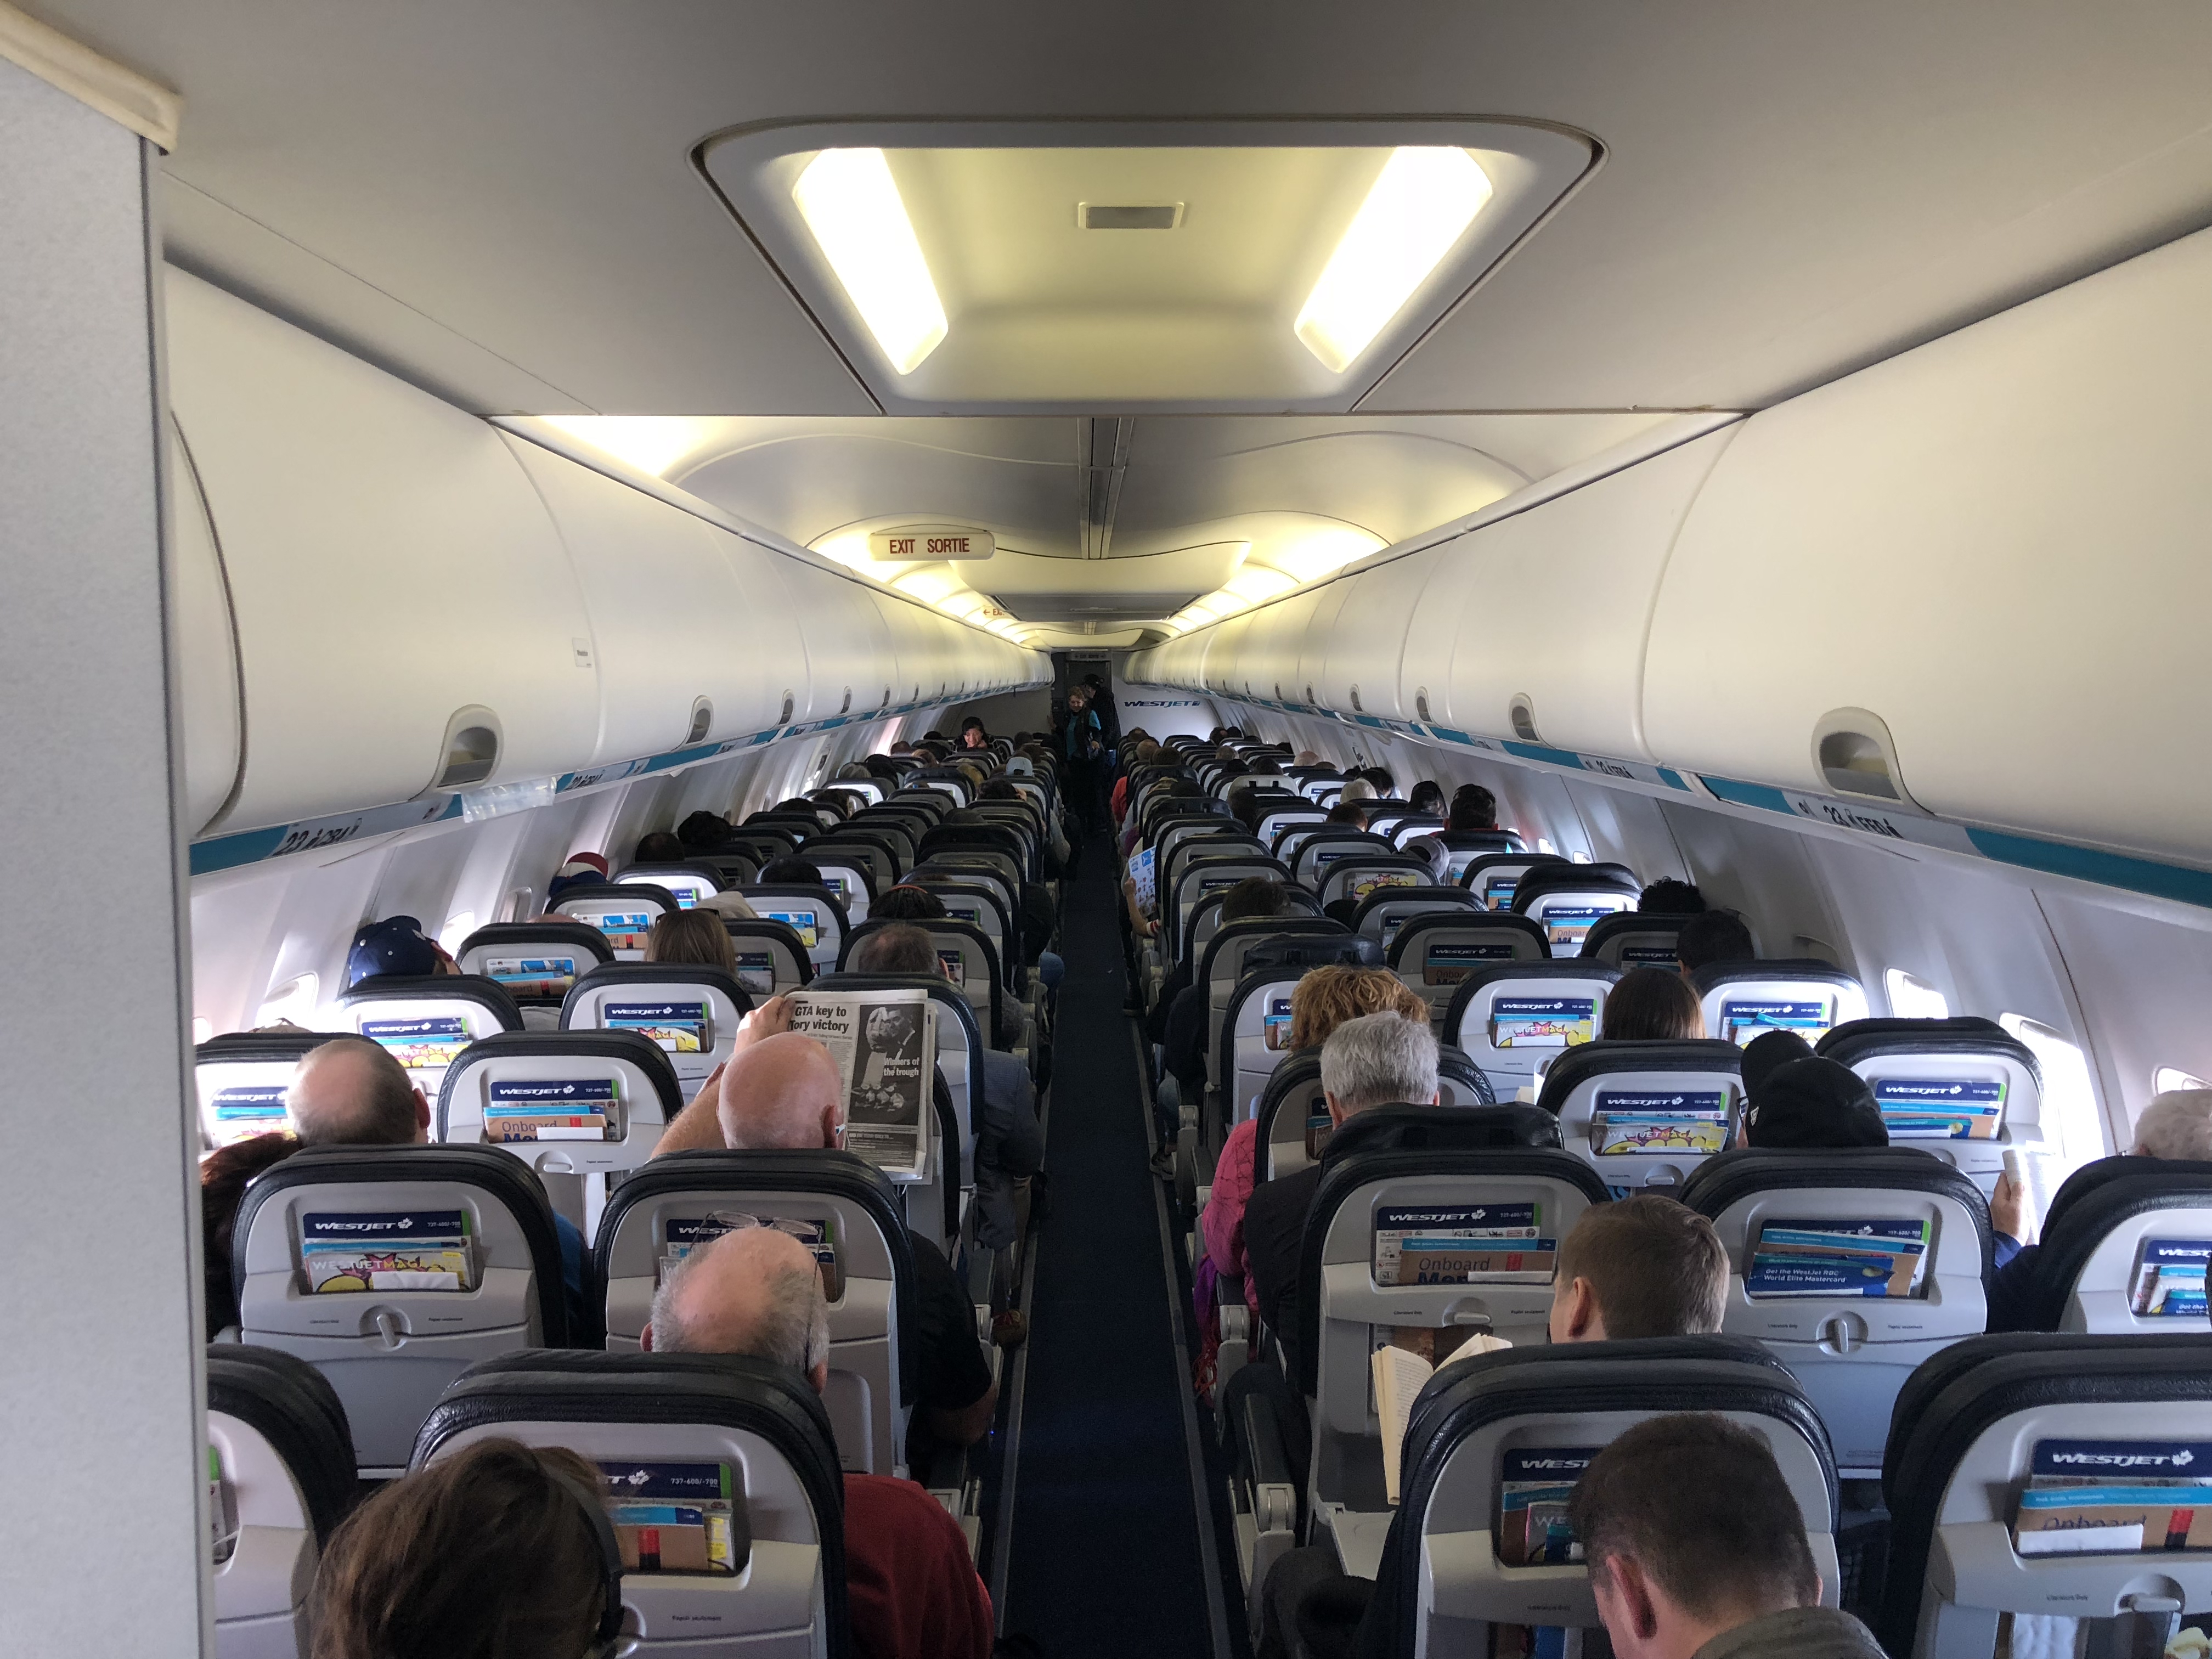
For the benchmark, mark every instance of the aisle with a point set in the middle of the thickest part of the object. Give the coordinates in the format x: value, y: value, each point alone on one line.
x: 1107, y: 1561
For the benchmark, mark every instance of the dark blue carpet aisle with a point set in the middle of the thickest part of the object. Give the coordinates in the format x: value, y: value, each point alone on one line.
x: 1106, y: 1561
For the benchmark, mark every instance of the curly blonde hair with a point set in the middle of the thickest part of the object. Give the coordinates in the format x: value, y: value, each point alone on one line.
x: 1328, y: 996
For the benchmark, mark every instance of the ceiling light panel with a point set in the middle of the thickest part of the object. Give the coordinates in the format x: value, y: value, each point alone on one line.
x: 1294, y: 265
x: 1421, y: 203
x: 852, y: 206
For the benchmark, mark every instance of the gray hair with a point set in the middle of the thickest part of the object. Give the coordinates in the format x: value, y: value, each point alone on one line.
x: 377, y: 1110
x: 2178, y: 1124
x: 793, y: 1332
x: 1379, y: 1059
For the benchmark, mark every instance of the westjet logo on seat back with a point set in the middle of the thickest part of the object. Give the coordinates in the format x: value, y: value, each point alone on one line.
x: 2082, y: 1456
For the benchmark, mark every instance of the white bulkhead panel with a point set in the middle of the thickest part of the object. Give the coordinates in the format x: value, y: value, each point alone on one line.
x: 1945, y: 539
x: 389, y: 563
x: 674, y: 617
x: 207, y: 652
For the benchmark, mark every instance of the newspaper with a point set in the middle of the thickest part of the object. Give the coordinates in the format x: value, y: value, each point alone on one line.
x: 885, y: 1043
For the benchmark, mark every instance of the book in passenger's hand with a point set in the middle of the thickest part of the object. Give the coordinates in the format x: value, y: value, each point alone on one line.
x: 885, y: 1046
x: 1399, y: 1377
x: 1827, y: 1256
x: 414, y: 1250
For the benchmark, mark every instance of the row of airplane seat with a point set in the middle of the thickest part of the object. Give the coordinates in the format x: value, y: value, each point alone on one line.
x: 1397, y: 1272
x: 501, y: 1171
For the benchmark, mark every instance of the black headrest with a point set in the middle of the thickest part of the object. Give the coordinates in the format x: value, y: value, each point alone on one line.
x: 1571, y: 877
x: 1607, y: 928
x: 724, y: 1391
x: 652, y: 976
x: 1473, y: 919
x: 1293, y: 925
x: 293, y: 1407
x: 837, y: 1174
x: 640, y: 1050
x: 1857, y: 1040
x: 619, y: 892
x: 1482, y: 975
x: 1343, y: 1176
x: 1963, y: 1392
x: 568, y: 934
x: 2092, y: 1202
x: 1810, y: 970
x: 1477, y: 868
x: 487, y: 993
x: 499, y: 1175
x: 1441, y: 1128
x: 1592, y: 1060
x: 234, y: 1047
x: 1456, y: 903
x: 1313, y: 949
x: 1734, y: 1375
x: 1729, y: 1177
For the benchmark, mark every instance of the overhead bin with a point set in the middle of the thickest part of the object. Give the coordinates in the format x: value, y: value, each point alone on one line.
x: 406, y: 611
x: 1367, y: 643
x: 688, y: 623
x: 1983, y: 562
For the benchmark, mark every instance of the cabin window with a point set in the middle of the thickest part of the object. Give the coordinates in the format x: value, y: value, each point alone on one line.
x: 1910, y: 998
x: 2172, y: 1077
x: 2070, y: 1098
x: 457, y: 929
x: 295, y: 1000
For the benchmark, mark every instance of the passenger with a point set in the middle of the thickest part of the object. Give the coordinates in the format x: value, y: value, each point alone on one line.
x: 1356, y: 787
x: 907, y: 902
x: 731, y: 907
x: 395, y: 946
x: 1473, y: 808
x: 1307, y: 757
x: 1009, y: 1146
x: 1377, y: 1059
x: 2177, y: 1125
x: 659, y: 848
x: 1177, y: 1022
x: 1713, y: 936
x: 913, y: 1592
x: 1324, y: 1000
x: 225, y: 1174
x: 781, y: 1092
x: 1765, y: 1052
x: 692, y: 936
x: 791, y: 870
x: 1428, y: 796
x: 1652, y: 1005
x: 489, y: 1553
x: 1669, y: 897
x: 1347, y: 812
x: 1385, y: 785
x: 1083, y: 745
x: 351, y: 1092
x: 1697, y: 1549
x: 702, y: 832
x: 581, y: 870
x: 1644, y: 1266
x: 1101, y: 705
x: 972, y: 734
x: 1812, y: 1103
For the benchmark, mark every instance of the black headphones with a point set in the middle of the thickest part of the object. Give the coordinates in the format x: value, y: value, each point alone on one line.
x: 610, y: 1564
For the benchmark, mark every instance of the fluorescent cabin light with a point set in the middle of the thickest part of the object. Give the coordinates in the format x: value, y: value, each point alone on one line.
x: 850, y: 204
x: 1423, y: 199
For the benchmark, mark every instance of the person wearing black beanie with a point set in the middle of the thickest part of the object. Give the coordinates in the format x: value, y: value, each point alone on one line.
x: 1766, y: 1051
x: 1815, y: 1103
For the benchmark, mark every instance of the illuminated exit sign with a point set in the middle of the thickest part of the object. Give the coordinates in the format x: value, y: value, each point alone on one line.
x: 931, y: 541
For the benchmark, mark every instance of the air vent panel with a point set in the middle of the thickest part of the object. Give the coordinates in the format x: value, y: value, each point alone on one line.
x: 1153, y: 215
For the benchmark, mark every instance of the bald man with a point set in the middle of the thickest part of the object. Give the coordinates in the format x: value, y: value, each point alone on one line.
x: 912, y: 1590
x: 351, y: 1092
x: 780, y: 1092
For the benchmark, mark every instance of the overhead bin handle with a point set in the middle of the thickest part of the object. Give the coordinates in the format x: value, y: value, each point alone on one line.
x: 1854, y: 753
x: 470, y: 753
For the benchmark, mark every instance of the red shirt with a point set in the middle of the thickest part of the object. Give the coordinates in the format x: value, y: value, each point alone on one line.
x: 913, y: 1591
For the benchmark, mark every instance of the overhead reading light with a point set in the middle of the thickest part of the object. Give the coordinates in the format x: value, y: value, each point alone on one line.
x: 851, y: 204
x: 1423, y: 199
x: 1097, y: 215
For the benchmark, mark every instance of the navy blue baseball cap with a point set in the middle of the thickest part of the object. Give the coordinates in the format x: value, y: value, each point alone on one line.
x: 395, y: 945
